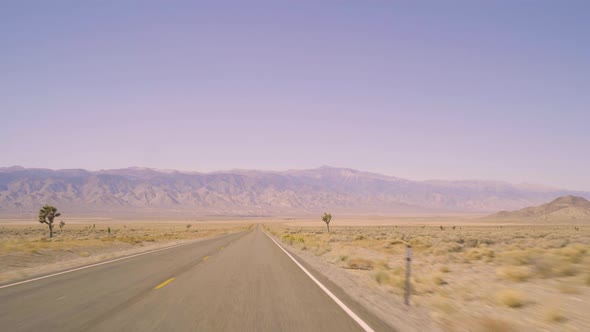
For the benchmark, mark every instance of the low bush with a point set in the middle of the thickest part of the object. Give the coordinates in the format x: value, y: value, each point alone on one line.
x: 292, y: 239
x: 438, y: 280
x: 485, y: 254
x: 552, y: 265
x: 514, y: 273
x: 511, y: 298
x: 359, y: 264
x: 553, y: 315
x: 382, y: 277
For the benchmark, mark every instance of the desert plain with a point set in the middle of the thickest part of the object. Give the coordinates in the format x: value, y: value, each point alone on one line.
x: 468, y: 273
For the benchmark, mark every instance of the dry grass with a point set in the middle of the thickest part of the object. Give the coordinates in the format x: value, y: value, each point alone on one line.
x: 553, y: 315
x: 467, y: 268
x: 511, y: 298
x: 24, y: 247
x: 358, y: 263
x: 382, y: 277
x: 482, y: 253
x: 439, y: 280
x: 514, y: 273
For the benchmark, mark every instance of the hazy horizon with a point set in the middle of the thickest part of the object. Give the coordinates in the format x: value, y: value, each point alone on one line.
x: 229, y: 170
x: 449, y: 91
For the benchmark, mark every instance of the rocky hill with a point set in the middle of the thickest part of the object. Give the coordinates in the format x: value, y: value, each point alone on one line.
x: 567, y: 208
x: 339, y: 190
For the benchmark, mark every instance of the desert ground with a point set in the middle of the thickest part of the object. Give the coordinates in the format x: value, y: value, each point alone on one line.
x: 468, y: 274
x: 27, y: 251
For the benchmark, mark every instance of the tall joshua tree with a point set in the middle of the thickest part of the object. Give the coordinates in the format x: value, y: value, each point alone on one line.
x: 46, y: 216
x: 327, y: 217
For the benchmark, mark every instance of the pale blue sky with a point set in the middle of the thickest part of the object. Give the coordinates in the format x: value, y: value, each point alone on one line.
x: 415, y: 89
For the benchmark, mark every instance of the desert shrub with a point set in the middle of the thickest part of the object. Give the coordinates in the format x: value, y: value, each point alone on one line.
x: 421, y: 242
x: 553, y: 315
x: 383, y: 264
x: 396, y: 242
x: 511, y: 298
x: 485, y: 254
x: 514, y: 273
x: 485, y: 242
x: 574, y: 253
x: 515, y: 257
x: 470, y: 243
x: 445, y: 248
x: 438, y: 280
x: 382, y: 277
x: 317, y: 247
x: 292, y: 239
x: 398, y: 284
x: 443, y: 305
x: 398, y: 271
x: 359, y: 264
x: 444, y: 269
x: 129, y: 239
x: 554, y: 243
x: 551, y: 265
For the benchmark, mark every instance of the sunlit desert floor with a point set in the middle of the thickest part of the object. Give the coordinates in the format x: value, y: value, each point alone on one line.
x: 27, y: 251
x: 465, y: 276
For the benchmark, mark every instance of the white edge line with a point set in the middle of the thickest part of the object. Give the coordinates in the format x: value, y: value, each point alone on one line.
x: 346, y: 309
x: 97, y: 264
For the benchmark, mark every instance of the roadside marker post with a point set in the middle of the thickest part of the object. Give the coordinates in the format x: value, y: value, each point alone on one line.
x: 408, y: 270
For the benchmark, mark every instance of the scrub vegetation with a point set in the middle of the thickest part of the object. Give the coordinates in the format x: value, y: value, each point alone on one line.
x: 26, y: 250
x: 462, y: 273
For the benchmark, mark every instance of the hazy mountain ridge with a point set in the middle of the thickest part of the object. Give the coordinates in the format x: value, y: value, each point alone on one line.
x: 566, y: 208
x: 256, y: 192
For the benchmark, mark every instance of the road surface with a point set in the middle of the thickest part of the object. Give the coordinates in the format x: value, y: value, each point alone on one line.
x: 236, y: 282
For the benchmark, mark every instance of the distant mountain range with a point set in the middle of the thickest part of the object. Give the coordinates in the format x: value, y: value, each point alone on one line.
x: 252, y: 192
x: 567, y: 208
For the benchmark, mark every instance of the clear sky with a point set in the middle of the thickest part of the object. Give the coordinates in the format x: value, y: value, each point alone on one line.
x: 414, y: 89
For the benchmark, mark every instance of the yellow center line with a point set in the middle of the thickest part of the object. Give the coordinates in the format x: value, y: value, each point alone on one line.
x: 164, y: 283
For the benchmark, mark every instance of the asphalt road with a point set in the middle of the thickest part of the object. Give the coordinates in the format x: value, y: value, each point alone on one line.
x: 235, y: 282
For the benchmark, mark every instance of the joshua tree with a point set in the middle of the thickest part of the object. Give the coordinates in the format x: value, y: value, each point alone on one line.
x: 327, y: 217
x: 61, y: 224
x: 46, y: 216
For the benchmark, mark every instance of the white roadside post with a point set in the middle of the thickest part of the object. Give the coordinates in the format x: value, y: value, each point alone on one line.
x: 408, y: 270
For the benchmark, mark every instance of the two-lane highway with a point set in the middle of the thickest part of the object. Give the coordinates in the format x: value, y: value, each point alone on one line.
x: 235, y: 282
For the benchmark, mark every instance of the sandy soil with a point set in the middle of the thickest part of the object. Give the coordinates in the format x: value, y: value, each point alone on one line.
x: 469, y: 274
x: 465, y: 278
x: 27, y: 251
